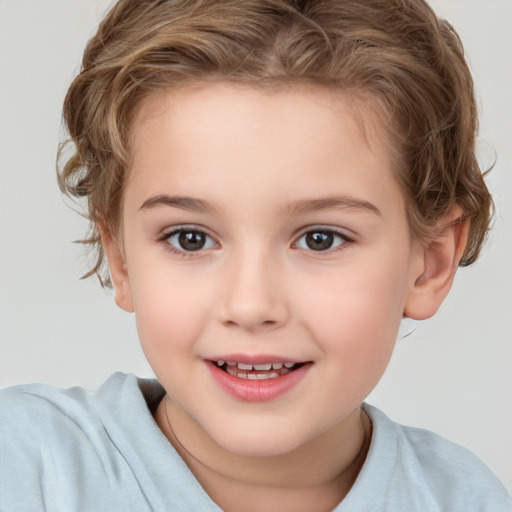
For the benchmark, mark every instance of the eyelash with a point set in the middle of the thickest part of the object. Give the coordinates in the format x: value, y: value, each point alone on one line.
x: 166, y: 237
x: 344, y: 239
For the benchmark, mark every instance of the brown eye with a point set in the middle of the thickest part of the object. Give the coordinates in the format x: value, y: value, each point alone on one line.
x: 320, y: 240
x: 189, y: 240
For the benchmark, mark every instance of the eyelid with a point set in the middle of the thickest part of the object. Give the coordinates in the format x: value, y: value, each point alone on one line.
x: 171, y: 231
x: 324, y: 229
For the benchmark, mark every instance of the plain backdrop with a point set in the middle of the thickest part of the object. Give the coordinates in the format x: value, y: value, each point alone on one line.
x: 452, y: 375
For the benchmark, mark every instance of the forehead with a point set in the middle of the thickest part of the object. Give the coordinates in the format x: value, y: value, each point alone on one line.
x: 226, y: 100
x: 251, y: 141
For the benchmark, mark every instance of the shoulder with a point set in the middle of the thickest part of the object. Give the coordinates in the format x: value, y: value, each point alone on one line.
x: 18, y: 402
x: 42, y: 421
x: 424, y: 471
x: 30, y: 404
x: 41, y: 410
x: 50, y: 435
x: 448, y: 466
x: 46, y: 418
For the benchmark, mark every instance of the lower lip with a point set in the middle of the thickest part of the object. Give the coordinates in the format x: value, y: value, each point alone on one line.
x: 248, y: 390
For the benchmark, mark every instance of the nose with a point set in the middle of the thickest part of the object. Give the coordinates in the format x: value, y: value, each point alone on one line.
x: 254, y: 294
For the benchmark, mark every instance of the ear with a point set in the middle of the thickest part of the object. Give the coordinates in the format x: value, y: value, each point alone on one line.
x: 434, y: 266
x: 118, y: 270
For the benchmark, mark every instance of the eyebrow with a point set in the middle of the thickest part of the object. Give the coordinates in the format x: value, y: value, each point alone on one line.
x: 330, y: 203
x: 190, y: 204
x: 195, y: 205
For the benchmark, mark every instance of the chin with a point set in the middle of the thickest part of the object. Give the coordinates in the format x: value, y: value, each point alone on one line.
x: 258, y: 443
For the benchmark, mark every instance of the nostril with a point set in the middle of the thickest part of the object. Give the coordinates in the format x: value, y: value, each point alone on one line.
x: 251, y: 323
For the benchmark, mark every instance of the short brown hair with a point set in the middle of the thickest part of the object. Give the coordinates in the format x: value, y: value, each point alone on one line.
x: 396, y: 53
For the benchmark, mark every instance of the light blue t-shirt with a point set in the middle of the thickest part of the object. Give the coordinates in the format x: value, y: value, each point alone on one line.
x: 73, y: 451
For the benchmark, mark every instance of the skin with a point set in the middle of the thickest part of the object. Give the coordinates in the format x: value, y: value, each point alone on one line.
x: 256, y: 287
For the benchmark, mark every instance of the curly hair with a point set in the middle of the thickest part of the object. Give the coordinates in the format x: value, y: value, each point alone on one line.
x: 396, y: 53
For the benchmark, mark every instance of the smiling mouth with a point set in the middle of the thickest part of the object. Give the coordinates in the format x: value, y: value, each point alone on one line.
x: 257, y: 371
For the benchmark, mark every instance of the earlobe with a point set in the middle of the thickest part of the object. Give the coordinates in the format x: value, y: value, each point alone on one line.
x: 118, y: 271
x: 434, y: 267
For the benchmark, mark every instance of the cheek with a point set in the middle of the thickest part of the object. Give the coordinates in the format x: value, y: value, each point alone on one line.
x: 170, y: 315
x: 356, y: 300
x: 354, y: 315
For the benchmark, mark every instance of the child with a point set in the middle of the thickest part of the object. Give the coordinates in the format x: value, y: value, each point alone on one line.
x: 275, y: 184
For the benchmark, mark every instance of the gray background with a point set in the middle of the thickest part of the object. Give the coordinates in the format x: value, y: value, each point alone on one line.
x: 453, y: 375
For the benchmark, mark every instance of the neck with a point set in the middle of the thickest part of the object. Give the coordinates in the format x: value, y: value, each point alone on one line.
x: 315, y: 476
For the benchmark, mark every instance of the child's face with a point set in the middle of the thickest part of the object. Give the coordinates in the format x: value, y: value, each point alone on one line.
x: 294, y: 247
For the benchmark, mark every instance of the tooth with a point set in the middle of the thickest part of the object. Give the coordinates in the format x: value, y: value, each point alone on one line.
x: 289, y: 365
x: 273, y: 375
x: 266, y: 366
x: 231, y: 371
x: 277, y: 366
x: 242, y: 366
x: 243, y: 375
x: 231, y: 363
x: 220, y: 363
x: 252, y: 376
